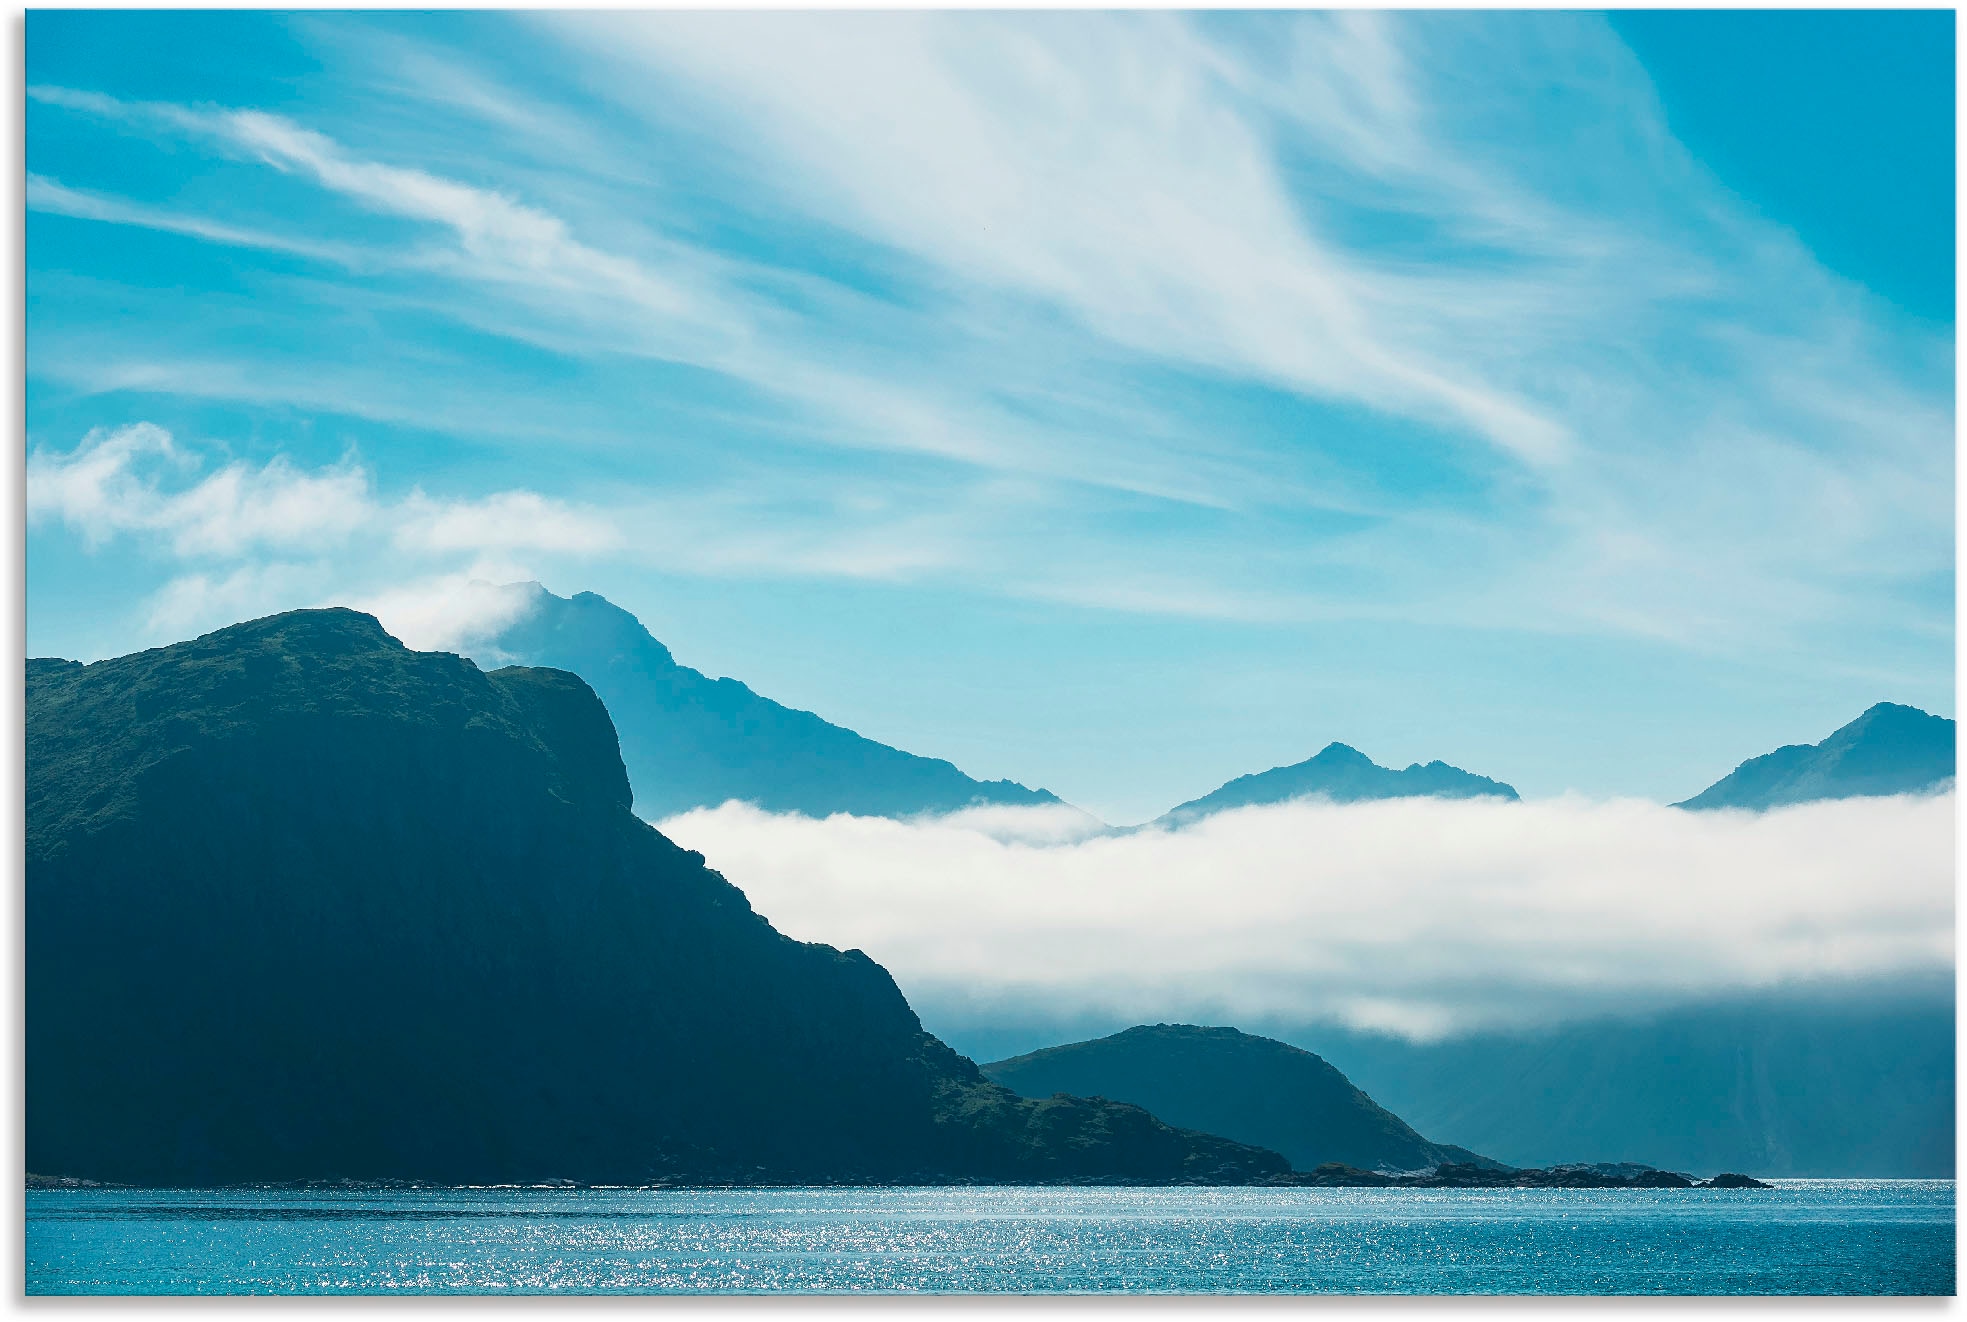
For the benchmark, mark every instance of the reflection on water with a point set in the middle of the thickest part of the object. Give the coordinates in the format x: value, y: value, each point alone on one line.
x: 1804, y: 1237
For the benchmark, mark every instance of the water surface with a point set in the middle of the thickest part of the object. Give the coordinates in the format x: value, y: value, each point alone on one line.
x: 1803, y: 1237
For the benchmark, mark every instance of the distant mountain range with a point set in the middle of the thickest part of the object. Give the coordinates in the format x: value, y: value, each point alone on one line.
x: 1856, y: 1083
x: 694, y: 742
x: 1889, y: 750
x: 690, y: 741
x: 1344, y: 775
x: 1226, y: 1082
x: 304, y: 904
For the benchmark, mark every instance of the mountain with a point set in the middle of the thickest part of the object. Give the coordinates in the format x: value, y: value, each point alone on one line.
x: 1255, y: 1089
x: 1889, y: 750
x: 1344, y: 775
x: 1793, y: 1085
x: 304, y: 904
x: 694, y: 742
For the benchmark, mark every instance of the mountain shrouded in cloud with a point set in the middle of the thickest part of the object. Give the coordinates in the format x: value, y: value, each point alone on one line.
x: 1344, y: 775
x: 1890, y: 749
x: 690, y: 741
x: 1226, y: 1082
x: 304, y: 903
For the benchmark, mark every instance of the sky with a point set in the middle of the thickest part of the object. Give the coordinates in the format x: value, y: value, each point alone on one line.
x: 1118, y: 403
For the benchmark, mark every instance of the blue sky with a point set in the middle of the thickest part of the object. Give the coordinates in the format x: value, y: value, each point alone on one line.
x: 1120, y: 403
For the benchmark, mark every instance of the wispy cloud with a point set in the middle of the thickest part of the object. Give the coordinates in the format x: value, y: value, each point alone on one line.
x: 1278, y: 317
x: 115, y: 482
x: 1360, y: 207
x: 1418, y: 916
x: 118, y: 482
x: 1094, y: 162
x: 257, y: 539
x: 51, y: 196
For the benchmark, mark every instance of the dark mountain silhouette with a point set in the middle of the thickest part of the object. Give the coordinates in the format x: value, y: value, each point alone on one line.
x: 692, y: 742
x: 303, y: 903
x: 1227, y: 1082
x: 1889, y: 750
x: 1344, y: 775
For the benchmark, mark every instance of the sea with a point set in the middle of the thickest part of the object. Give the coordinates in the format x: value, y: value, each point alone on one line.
x: 1803, y: 1237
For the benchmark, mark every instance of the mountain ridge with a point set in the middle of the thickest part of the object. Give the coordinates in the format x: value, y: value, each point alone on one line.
x: 1889, y: 749
x: 1343, y: 774
x: 690, y: 741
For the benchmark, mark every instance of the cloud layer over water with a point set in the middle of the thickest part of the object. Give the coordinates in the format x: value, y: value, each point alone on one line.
x: 1418, y: 916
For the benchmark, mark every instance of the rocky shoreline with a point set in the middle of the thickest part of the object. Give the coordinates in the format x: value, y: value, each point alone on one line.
x: 1452, y: 1175
x: 1331, y: 1175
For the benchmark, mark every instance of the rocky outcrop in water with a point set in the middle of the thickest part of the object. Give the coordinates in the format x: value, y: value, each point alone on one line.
x: 1454, y: 1175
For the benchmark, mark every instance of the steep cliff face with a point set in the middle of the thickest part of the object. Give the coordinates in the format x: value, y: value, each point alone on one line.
x: 302, y: 903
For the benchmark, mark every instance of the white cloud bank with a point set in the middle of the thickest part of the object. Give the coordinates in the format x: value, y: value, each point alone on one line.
x: 1417, y: 916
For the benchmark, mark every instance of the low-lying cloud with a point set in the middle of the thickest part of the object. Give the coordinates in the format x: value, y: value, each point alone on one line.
x: 1419, y: 916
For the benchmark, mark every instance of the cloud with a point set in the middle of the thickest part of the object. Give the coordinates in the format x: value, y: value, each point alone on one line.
x: 191, y: 604
x: 1094, y: 162
x: 506, y: 521
x: 113, y: 482
x: 119, y: 481
x: 1367, y: 208
x: 450, y: 612
x: 1419, y: 916
x: 256, y: 539
x: 1272, y: 317
x: 51, y: 196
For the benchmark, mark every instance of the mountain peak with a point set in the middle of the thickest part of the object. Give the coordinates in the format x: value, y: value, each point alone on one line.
x: 587, y: 624
x: 1888, y: 749
x: 315, y: 627
x: 1343, y: 774
x: 695, y: 742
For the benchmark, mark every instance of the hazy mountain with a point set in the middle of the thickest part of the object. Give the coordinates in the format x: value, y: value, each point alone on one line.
x: 303, y: 903
x: 1889, y: 750
x: 1344, y: 775
x: 1253, y: 1089
x: 1856, y: 1086
x: 690, y: 741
